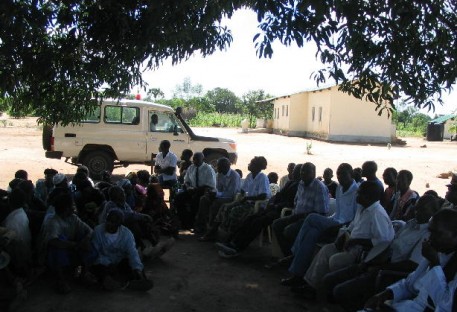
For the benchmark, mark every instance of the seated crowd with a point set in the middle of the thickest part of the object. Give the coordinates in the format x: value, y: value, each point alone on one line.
x: 350, y: 242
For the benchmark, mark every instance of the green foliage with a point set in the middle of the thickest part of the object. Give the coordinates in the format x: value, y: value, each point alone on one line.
x: 255, y: 109
x: 216, y: 119
x: 223, y: 100
x: 410, y: 122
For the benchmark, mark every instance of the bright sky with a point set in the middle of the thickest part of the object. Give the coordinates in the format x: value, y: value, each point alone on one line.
x: 240, y: 70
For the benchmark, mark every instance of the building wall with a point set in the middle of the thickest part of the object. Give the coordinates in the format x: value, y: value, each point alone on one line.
x: 298, y: 113
x: 281, y: 113
x: 354, y: 120
x: 319, y: 113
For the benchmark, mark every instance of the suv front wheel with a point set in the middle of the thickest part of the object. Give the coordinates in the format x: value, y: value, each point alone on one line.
x: 97, y: 162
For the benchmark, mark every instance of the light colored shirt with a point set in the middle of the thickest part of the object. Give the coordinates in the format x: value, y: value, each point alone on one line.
x: 407, y: 244
x: 372, y: 223
x: 346, y: 204
x: 411, y: 293
x: 129, y: 214
x: 170, y: 160
x: 206, y: 176
x: 311, y: 198
x: 256, y: 186
x: 283, y: 181
x: 112, y: 249
x: 70, y: 228
x: 228, y: 185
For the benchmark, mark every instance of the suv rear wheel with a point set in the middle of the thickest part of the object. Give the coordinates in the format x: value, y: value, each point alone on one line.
x: 97, y: 162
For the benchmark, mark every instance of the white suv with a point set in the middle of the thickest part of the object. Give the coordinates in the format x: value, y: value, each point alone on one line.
x: 119, y: 133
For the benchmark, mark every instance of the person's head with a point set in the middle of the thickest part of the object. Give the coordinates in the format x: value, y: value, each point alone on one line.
x: 223, y: 165
x: 143, y: 177
x: 344, y: 175
x: 390, y: 176
x: 369, y: 169
x: 273, y: 177
x: 78, y: 178
x: 257, y: 164
x: 432, y: 193
x: 443, y: 231
x: 116, y: 194
x: 154, y: 119
x: 404, y: 179
x: 21, y: 174
x: 368, y: 193
x: 328, y: 175
x: 132, y: 177
x: 290, y: 168
x: 164, y: 146
x: 186, y: 155
x: 49, y: 173
x: 15, y: 182
x: 240, y: 173
x: 84, y: 169
x: 357, y: 174
x: 451, y: 194
x: 308, y: 173
x: 425, y: 208
x: 106, y: 176
x: 114, y: 220
x: 28, y: 188
x: 197, y: 159
x: 63, y: 205
x: 296, y: 173
x: 60, y: 180
x: 16, y: 199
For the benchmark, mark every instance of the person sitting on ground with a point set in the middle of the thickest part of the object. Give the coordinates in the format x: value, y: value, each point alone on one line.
x: 405, y: 198
x: 165, y: 165
x: 351, y: 287
x: 451, y: 194
x: 60, y: 187
x: 21, y: 174
x: 200, y: 178
x: 184, y: 164
x: 371, y: 226
x: 255, y: 187
x: 369, y: 169
x: 432, y: 286
x: 240, y: 173
x: 44, y: 186
x: 66, y: 241
x: 254, y: 224
x: 273, y: 179
x: 312, y: 196
x: 20, y: 248
x: 228, y: 184
x: 288, y: 176
x: 116, y: 254
x: 140, y: 189
x: 89, y: 204
x: 331, y: 185
x: 390, y: 179
x: 84, y: 169
x: 315, y: 224
x: 13, y: 184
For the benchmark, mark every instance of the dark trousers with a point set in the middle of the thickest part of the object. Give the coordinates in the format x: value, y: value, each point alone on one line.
x: 121, y: 271
x: 252, y: 227
x: 186, y: 205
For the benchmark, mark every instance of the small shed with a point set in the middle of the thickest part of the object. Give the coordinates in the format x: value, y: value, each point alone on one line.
x: 440, y: 128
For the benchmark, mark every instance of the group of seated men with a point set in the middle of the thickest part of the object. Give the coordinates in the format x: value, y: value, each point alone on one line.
x: 352, y: 243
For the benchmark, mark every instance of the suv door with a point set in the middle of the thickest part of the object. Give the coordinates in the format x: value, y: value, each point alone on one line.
x: 165, y: 126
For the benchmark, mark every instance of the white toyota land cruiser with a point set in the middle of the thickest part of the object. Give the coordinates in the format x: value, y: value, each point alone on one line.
x: 125, y: 132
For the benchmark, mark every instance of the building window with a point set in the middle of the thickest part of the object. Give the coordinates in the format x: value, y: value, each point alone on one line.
x: 287, y: 110
x: 320, y: 114
x: 282, y: 110
x: 313, y: 114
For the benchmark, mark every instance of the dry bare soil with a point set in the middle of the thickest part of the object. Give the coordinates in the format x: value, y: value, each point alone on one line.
x: 191, y: 277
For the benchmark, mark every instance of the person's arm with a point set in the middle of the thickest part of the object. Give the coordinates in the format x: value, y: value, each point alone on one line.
x: 132, y: 252
x: 377, y: 301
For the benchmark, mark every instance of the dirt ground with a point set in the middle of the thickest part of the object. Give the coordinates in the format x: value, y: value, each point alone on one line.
x: 192, y: 277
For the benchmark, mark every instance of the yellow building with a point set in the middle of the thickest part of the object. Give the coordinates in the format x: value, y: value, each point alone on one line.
x: 331, y: 115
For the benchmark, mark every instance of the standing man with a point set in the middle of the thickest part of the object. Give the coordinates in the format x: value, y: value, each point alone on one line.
x: 165, y: 165
x: 199, y: 179
x: 228, y: 184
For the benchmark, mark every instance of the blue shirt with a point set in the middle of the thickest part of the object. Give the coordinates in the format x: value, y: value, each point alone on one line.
x: 256, y: 186
x: 311, y: 198
x: 114, y: 251
x: 346, y: 204
x: 228, y: 185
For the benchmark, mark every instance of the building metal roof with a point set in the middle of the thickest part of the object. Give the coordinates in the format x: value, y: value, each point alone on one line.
x: 442, y: 119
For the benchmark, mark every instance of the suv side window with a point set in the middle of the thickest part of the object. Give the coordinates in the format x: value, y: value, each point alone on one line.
x: 122, y: 115
x: 93, y: 117
x: 163, y: 122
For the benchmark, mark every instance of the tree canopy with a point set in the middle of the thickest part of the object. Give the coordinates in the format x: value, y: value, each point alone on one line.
x: 56, y: 56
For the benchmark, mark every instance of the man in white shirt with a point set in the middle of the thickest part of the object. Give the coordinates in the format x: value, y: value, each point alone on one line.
x: 165, y: 165
x: 200, y: 178
x: 432, y: 286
